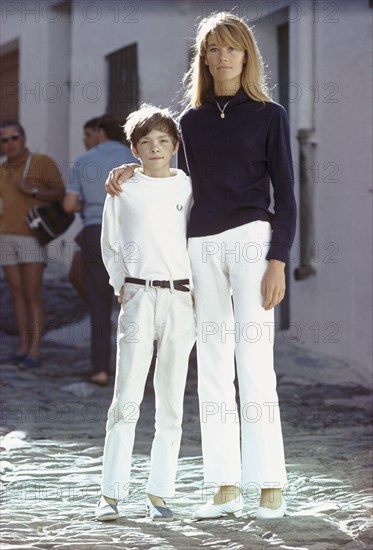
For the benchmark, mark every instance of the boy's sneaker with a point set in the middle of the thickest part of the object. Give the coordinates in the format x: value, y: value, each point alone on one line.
x: 158, y: 513
x: 105, y: 511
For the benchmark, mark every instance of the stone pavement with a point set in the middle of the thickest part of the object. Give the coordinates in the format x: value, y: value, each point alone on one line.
x: 53, y: 426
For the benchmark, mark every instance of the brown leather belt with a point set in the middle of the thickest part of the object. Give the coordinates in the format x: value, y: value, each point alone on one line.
x: 178, y: 285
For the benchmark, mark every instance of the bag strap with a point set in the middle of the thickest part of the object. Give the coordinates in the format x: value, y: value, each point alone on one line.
x: 27, y: 167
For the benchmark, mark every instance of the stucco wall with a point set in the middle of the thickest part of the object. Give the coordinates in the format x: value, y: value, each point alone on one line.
x: 43, y: 38
x: 330, y: 311
x: 158, y: 28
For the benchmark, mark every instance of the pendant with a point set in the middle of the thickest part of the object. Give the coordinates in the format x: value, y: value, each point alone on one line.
x: 222, y: 115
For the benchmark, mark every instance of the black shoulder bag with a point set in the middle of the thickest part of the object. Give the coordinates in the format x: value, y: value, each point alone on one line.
x: 47, y: 221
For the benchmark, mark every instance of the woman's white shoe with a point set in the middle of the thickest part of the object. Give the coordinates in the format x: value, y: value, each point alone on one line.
x: 105, y: 511
x: 211, y: 510
x: 271, y: 513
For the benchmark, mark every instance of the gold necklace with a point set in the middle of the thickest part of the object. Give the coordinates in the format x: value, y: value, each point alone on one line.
x: 222, y: 115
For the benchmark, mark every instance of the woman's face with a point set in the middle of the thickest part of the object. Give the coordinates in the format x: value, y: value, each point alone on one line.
x: 225, y: 64
x: 12, y: 142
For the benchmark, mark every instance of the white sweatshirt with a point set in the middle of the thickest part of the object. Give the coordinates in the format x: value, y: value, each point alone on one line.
x: 144, y: 229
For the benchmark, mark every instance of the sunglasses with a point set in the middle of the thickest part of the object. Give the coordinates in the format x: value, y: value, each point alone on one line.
x: 14, y: 137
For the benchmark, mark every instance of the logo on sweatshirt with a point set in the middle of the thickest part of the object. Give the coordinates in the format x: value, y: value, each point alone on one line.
x: 179, y: 206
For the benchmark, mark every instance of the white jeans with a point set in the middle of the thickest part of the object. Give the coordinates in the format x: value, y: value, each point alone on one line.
x: 233, y: 263
x: 148, y: 314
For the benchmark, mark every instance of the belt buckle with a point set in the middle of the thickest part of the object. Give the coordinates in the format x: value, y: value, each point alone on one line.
x: 159, y: 284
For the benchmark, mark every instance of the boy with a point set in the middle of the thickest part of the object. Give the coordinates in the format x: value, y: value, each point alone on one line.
x: 144, y: 249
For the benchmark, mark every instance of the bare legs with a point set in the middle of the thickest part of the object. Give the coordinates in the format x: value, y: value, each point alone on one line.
x: 226, y: 493
x: 269, y: 498
x: 25, y: 282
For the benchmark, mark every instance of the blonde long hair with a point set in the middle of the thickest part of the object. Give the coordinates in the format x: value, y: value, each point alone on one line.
x: 228, y: 29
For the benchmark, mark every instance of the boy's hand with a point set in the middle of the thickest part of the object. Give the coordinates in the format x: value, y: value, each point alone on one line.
x: 121, y: 295
x: 117, y: 176
x: 273, y: 284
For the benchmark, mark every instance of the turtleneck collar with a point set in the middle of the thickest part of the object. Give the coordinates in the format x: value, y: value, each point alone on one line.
x: 239, y: 97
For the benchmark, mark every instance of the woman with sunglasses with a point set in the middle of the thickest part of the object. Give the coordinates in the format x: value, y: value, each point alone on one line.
x: 21, y: 256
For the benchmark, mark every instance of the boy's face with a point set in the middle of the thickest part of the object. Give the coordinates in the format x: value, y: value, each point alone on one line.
x: 155, y: 151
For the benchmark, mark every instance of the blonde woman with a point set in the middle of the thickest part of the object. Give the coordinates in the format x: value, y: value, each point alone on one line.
x: 236, y: 140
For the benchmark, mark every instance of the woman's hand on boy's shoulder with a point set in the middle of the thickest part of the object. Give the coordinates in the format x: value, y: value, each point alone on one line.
x: 117, y: 176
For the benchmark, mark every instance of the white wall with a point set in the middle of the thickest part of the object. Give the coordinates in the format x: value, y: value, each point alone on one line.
x: 43, y: 37
x: 157, y: 27
x: 335, y: 304
x: 332, y: 310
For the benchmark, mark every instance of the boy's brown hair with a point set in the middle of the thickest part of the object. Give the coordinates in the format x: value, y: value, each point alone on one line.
x: 139, y: 123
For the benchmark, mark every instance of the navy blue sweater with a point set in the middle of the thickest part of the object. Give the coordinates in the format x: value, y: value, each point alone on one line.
x: 231, y: 162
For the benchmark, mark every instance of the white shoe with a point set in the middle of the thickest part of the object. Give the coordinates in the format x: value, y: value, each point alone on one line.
x: 211, y: 510
x: 271, y: 513
x: 158, y: 513
x: 106, y: 511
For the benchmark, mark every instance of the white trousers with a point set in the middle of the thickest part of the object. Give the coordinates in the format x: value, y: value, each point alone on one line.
x: 233, y: 263
x: 148, y: 314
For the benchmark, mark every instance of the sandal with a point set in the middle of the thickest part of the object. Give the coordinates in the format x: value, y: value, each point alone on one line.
x: 28, y: 363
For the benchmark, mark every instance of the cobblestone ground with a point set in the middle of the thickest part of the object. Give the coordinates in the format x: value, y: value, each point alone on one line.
x: 53, y: 426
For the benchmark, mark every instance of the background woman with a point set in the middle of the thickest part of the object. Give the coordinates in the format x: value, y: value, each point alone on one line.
x: 23, y: 259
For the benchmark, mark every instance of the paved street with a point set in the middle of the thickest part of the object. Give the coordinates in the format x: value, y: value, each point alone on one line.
x: 53, y: 426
